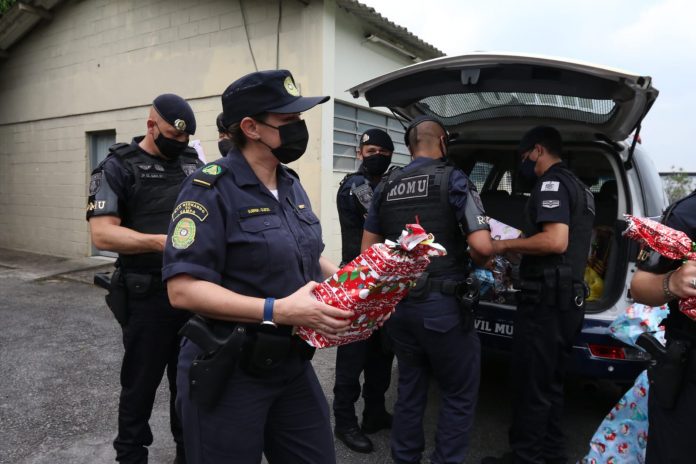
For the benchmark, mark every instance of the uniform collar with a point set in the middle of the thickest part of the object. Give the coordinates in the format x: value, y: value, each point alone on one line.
x: 423, y: 161
x: 244, y: 175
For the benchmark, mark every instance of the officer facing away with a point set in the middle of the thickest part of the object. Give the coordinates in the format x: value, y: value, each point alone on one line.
x: 672, y: 399
x: 131, y: 197
x: 432, y: 329
x: 559, y: 216
x: 369, y: 356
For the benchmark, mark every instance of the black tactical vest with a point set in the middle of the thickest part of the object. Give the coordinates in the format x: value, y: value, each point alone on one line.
x: 424, y: 193
x: 352, y: 225
x: 582, y: 214
x: 152, y: 196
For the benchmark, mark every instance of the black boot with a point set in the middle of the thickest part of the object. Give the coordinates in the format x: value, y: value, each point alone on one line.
x: 354, y: 439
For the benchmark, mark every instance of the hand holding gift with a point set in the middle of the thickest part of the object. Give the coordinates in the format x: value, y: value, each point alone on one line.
x: 373, y: 283
x: 668, y: 242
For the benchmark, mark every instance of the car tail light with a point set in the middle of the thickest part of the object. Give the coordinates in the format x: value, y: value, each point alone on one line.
x: 606, y: 351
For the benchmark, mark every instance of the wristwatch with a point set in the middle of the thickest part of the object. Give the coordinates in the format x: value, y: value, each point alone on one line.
x: 268, y: 312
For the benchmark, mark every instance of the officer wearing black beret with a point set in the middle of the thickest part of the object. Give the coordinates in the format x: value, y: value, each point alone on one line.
x: 244, y: 252
x: 132, y: 195
x: 432, y: 328
x: 551, y: 307
x: 369, y: 356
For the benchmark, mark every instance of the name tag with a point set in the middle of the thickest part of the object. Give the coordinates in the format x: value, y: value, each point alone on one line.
x: 254, y: 211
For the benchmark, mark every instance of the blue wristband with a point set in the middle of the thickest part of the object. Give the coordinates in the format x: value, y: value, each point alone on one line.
x: 268, y: 311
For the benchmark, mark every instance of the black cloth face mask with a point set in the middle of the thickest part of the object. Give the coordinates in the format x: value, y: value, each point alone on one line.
x: 225, y: 145
x: 169, y: 148
x: 376, y: 165
x: 294, y: 138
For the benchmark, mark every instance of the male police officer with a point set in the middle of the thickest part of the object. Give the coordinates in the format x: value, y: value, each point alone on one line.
x: 131, y: 198
x: 559, y: 216
x: 369, y: 356
x: 432, y: 329
x: 672, y: 399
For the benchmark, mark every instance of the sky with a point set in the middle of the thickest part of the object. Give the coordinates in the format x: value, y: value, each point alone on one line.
x: 654, y: 38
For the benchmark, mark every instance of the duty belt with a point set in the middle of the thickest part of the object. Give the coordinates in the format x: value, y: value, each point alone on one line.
x: 446, y: 287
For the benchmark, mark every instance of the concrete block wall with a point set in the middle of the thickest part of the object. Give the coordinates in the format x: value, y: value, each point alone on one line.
x: 97, y: 66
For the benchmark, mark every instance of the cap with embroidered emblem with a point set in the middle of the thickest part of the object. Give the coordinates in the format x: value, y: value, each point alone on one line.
x: 264, y: 91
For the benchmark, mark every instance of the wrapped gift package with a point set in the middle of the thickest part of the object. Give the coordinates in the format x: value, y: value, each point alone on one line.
x: 670, y: 243
x: 373, y: 283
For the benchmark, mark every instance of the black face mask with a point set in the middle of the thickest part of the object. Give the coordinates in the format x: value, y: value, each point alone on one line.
x: 376, y: 165
x: 527, y: 169
x: 225, y: 145
x: 293, y: 141
x: 169, y: 148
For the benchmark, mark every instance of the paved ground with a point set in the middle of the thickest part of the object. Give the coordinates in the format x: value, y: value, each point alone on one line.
x: 60, y: 353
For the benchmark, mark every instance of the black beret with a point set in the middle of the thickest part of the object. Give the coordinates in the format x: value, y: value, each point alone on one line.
x: 421, y: 119
x: 264, y: 91
x: 377, y: 137
x: 176, y: 111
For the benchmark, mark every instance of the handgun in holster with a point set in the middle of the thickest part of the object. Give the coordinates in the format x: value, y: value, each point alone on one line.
x: 468, y: 293
x: 117, y: 298
x: 667, y: 368
x: 211, y: 369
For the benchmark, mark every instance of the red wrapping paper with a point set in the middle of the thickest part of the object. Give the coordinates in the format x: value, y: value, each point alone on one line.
x: 670, y: 243
x: 373, y: 283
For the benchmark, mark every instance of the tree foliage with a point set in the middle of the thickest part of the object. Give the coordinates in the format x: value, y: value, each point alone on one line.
x: 5, y: 5
x: 678, y: 184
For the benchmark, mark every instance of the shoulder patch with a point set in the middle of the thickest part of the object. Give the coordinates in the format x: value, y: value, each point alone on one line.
x: 550, y: 204
x: 190, y: 208
x: 207, y: 176
x: 550, y: 186
x: 184, y: 234
x: 95, y: 182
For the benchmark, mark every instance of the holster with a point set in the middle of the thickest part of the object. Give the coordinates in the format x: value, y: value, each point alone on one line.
x: 211, y: 369
x: 468, y: 293
x: 667, y: 368
x: 117, y: 298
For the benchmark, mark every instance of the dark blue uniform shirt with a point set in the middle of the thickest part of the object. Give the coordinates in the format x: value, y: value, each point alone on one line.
x: 236, y: 234
x: 459, y: 190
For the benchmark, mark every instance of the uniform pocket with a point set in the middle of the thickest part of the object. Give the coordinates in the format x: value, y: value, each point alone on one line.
x: 252, y: 247
x: 441, y: 324
x: 256, y: 224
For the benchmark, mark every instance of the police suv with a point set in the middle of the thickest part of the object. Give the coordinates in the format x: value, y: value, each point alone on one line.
x: 487, y: 101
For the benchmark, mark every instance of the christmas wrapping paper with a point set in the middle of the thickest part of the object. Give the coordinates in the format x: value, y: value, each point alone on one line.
x: 373, y: 283
x: 670, y: 243
x: 623, y: 435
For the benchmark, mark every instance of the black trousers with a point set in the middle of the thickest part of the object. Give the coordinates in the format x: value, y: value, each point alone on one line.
x: 671, y: 431
x: 368, y: 356
x: 151, y: 343
x: 283, y: 416
x: 542, y: 347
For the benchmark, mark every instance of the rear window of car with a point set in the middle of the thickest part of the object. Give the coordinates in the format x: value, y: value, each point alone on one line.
x: 465, y: 107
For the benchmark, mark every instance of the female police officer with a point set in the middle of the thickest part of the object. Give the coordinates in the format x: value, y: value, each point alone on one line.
x: 244, y: 251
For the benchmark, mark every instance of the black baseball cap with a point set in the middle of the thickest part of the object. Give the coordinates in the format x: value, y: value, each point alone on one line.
x: 176, y: 111
x: 547, y: 136
x: 377, y: 137
x: 264, y: 91
x: 419, y: 120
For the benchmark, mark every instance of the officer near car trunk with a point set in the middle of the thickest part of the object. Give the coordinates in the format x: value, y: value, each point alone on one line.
x: 559, y: 216
x: 672, y: 398
x: 432, y: 328
x: 131, y: 197
x: 370, y: 356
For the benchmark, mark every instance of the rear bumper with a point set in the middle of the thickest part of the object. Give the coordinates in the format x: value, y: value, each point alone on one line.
x: 495, y: 325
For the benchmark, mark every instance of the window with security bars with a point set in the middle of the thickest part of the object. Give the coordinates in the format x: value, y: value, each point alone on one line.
x: 460, y: 108
x: 349, y: 124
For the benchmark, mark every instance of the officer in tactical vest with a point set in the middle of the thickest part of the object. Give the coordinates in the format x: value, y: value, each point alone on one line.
x: 369, y: 356
x: 672, y: 399
x: 131, y: 198
x: 432, y: 329
x: 559, y: 216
